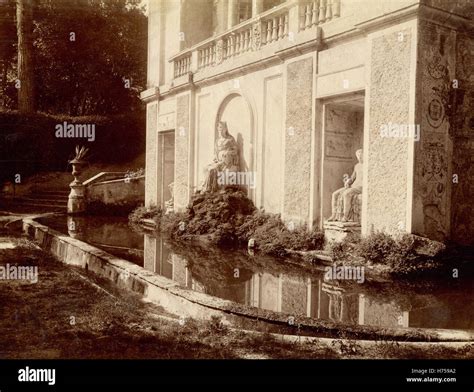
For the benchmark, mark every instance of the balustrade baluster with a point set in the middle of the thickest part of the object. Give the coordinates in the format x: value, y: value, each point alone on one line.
x: 275, y: 29
x: 231, y: 46
x: 336, y: 8
x: 307, y: 16
x: 314, y: 19
x: 269, y: 31
x: 329, y: 10
x: 322, y: 11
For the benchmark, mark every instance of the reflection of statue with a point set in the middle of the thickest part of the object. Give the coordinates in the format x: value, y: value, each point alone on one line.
x: 345, y: 200
x: 226, y: 158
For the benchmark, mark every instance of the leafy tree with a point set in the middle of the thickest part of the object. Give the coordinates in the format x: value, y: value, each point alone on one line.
x: 8, y: 55
x: 24, y: 23
x: 90, y: 56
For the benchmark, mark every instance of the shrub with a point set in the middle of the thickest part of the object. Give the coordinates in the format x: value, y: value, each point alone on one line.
x: 376, y: 247
x: 216, y: 215
x: 344, y: 249
x: 274, y: 237
x: 173, y: 224
x: 229, y: 218
x: 142, y: 212
x: 384, y: 249
x: 216, y: 326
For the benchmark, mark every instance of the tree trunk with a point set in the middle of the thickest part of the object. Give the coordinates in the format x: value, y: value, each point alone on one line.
x: 24, y: 17
x: 3, y: 87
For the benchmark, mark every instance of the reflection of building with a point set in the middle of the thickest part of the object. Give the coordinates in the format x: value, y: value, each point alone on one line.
x: 159, y: 259
x: 295, y: 295
x: 314, y: 298
x: 302, y: 84
x: 383, y: 314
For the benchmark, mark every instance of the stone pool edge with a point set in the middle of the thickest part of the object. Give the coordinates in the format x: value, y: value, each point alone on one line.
x: 187, y: 303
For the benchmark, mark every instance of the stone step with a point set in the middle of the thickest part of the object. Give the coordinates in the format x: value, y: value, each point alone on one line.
x: 40, y: 203
x: 43, y: 200
x: 43, y: 205
x: 51, y: 193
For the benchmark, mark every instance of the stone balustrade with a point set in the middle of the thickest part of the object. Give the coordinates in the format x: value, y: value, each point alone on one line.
x: 251, y: 35
x: 316, y: 12
x: 182, y: 65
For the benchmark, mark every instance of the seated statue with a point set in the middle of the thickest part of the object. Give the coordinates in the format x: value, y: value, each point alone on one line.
x: 169, y: 204
x: 226, y: 158
x: 345, y: 200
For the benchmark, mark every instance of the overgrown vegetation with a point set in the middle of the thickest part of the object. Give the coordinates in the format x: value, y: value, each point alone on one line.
x: 80, y: 49
x: 274, y: 237
x: 381, y: 247
x: 229, y: 218
x: 398, y: 253
x: 86, y: 65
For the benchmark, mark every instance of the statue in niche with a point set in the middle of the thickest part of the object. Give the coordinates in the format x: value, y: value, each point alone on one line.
x: 345, y: 201
x: 169, y: 204
x: 226, y: 158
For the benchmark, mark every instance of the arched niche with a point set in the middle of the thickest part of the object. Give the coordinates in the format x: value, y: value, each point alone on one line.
x: 237, y: 113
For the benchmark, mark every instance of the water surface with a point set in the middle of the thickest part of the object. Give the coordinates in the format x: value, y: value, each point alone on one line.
x: 277, y: 285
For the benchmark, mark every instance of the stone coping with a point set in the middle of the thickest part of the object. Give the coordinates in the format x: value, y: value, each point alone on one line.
x: 117, y: 180
x: 163, y: 291
x: 341, y: 225
x: 104, y: 176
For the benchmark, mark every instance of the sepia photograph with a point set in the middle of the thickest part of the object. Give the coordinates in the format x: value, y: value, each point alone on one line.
x: 236, y: 191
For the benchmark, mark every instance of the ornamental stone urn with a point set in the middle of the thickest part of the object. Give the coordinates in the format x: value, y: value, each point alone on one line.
x: 76, y: 202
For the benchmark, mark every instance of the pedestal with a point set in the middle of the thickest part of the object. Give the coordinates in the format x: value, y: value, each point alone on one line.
x: 76, y: 203
x: 338, y: 231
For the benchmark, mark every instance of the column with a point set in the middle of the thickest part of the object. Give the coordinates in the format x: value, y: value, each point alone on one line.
x: 233, y: 13
x: 221, y: 11
x: 257, y: 7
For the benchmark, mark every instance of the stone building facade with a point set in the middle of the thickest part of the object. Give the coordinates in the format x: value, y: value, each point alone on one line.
x: 302, y: 85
